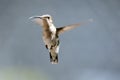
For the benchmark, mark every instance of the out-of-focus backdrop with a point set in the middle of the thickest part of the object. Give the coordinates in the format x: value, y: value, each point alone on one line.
x: 90, y: 52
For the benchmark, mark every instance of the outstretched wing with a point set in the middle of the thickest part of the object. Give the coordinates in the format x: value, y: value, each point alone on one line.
x: 39, y: 21
x: 66, y: 28
x: 69, y: 27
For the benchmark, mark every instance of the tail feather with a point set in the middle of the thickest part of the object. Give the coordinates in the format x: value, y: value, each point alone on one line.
x: 54, y: 58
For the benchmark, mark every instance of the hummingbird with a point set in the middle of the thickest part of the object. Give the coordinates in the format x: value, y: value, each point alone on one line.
x: 50, y: 34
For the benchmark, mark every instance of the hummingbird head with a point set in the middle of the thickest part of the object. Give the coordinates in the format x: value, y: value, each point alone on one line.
x: 47, y: 17
x: 43, y: 17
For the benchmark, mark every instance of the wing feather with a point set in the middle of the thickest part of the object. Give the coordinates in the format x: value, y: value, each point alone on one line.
x: 72, y: 26
x: 66, y: 28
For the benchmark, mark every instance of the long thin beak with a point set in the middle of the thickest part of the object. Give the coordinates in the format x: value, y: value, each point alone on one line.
x: 33, y: 17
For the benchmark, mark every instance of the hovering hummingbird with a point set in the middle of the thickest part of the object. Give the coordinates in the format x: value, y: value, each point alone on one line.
x: 51, y: 34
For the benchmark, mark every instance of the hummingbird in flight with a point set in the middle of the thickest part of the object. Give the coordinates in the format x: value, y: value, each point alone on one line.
x: 50, y: 34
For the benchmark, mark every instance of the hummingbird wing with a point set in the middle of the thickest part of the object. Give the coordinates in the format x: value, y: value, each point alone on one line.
x: 67, y: 28
x: 41, y: 22
x: 72, y: 26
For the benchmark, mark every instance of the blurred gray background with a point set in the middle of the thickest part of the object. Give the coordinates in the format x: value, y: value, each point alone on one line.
x: 90, y: 52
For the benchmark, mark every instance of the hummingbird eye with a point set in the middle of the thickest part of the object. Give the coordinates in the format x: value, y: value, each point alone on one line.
x: 47, y: 17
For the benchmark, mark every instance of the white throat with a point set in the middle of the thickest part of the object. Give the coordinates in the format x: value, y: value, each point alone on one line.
x: 51, y: 26
x: 52, y: 29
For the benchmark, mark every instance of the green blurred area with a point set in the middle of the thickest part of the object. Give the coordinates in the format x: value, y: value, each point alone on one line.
x: 21, y: 73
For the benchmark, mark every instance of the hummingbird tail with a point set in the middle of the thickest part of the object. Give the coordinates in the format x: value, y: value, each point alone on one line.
x: 54, y: 58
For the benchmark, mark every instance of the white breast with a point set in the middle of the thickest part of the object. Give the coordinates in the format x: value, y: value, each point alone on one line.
x: 52, y: 28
